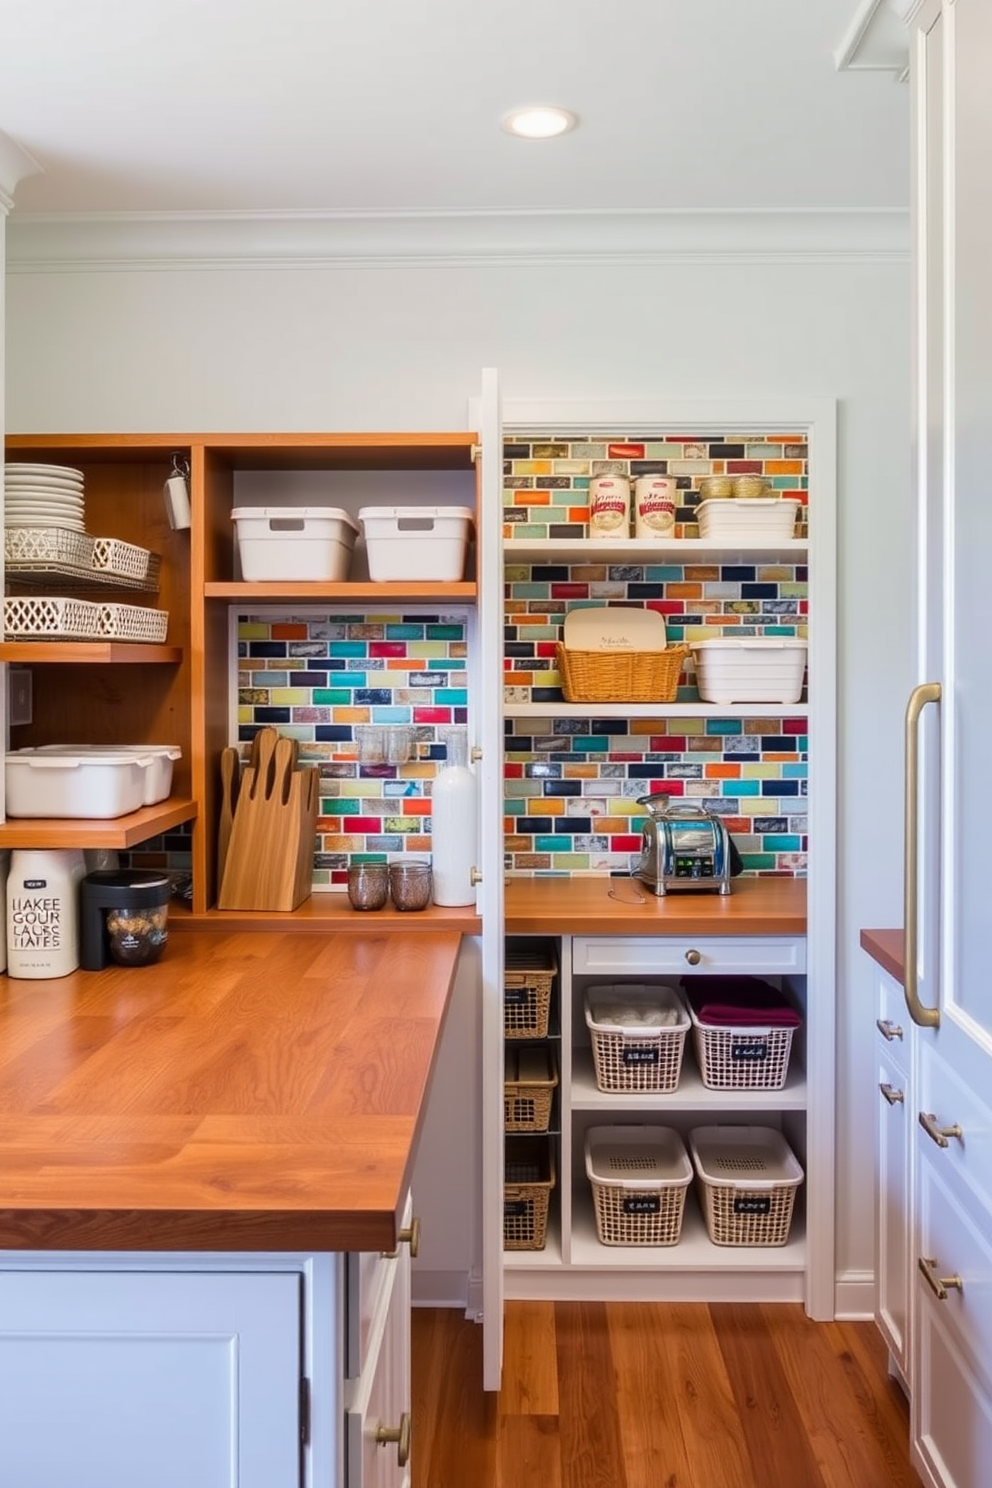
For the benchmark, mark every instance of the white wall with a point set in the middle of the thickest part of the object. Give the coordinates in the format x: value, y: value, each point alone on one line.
x: 232, y: 349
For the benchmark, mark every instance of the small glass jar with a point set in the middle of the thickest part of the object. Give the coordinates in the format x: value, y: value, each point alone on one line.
x: 368, y: 885
x: 410, y: 884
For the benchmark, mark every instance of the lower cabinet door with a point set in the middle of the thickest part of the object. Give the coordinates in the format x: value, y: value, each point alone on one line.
x: 160, y: 1379
x: 379, y: 1433
x: 892, y: 1217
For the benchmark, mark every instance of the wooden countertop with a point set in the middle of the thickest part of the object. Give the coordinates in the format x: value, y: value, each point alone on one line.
x: 583, y: 906
x: 251, y: 1091
x: 885, y: 947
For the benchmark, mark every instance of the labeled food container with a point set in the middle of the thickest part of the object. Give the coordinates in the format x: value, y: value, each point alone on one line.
x: 772, y: 517
x: 46, y: 782
x: 124, y: 915
x: 638, y: 1032
x: 639, y: 1177
x: 748, y: 1177
x: 416, y: 542
x: 159, y: 759
x: 750, y: 669
x: 294, y: 542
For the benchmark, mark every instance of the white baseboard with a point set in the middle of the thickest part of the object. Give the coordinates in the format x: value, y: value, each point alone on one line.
x: 439, y: 1289
x: 854, y: 1296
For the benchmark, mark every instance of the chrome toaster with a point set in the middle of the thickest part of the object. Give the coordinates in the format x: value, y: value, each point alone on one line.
x: 683, y: 846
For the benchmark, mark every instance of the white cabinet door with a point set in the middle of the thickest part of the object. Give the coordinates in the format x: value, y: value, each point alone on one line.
x: 892, y: 1166
x: 379, y: 1436
x: 159, y: 1379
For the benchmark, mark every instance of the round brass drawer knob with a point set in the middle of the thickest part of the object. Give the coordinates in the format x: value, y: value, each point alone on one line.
x: 401, y: 1435
x: 693, y: 957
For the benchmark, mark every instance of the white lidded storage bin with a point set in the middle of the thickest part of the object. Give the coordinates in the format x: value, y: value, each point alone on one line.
x: 416, y: 542
x: 157, y: 773
x: 294, y: 542
x: 762, y: 517
x: 47, y: 782
x: 638, y: 1032
x: 748, y: 1177
x: 639, y: 1177
x: 750, y: 669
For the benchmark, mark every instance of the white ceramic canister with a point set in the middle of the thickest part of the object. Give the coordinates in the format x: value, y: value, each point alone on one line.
x: 43, y: 911
x: 654, y: 505
x: 609, y: 506
x: 454, y: 824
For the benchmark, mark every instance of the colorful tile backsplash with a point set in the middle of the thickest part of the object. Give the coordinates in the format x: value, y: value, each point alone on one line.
x: 572, y: 783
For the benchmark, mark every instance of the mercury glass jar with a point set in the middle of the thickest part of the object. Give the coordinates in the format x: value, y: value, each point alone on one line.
x: 368, y: 885
x: 410, y: 884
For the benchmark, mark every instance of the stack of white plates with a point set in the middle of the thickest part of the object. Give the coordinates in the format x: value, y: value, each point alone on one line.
x: 43, y: 496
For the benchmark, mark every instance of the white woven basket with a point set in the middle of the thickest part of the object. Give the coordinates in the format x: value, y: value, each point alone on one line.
x: 124, y: 622
x: 113, y: 556
x: 38, y: 547
x: 50, y: 617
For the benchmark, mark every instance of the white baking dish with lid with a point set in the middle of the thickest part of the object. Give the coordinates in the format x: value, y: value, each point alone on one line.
x: 158, y: 775
x: 52, y: 783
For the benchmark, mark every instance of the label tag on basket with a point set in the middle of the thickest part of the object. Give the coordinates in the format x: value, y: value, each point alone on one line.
x: 753, y: 1049
x: 516, y: 1208
x: 516, y: 996
x: 640, y: 1055
x: 750, y: 1204
x: 646, y: 1204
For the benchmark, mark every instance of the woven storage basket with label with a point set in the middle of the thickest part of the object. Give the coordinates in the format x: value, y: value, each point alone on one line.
x: 528, y: 1178
x: 748, y: 1177
x: 618, y: 654
x: 639, y: 1177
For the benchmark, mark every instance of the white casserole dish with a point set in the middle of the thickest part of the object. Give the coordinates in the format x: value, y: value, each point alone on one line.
x: 48, y: 782
x: 157, y: 761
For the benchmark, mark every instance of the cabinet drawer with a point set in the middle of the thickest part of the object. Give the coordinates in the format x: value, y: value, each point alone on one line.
x: 684, y: 955
x: 893, y: 1020
x: 945, y: 1097
x: 952, y: 1236
x: 368, y: 1284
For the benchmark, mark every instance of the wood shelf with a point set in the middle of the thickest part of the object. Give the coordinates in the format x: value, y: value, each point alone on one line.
x: 655, y: 550
x: 330, y: 910
x: 655, y: 710
x: 320, y: 592
x: 117, y: 831
x: 123, y: 653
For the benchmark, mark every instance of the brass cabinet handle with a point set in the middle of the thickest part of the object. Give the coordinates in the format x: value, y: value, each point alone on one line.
x: 892, y: 1095
x: 401, y: 1435
x: 938, y: 1134
x: 939, y: 1285
x: 475, y: 876
x: 888, y: 1029
x: 693, y: 957
x: 409, y: 1236
x: 926, y: 1017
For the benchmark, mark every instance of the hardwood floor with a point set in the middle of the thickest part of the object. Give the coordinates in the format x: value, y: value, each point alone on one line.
x: 657, y: 1395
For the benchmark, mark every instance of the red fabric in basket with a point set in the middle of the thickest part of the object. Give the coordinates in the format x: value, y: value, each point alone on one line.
x: 739, y: 1002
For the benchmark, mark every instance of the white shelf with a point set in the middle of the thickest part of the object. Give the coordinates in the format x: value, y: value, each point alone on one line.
x: 691, y: 1094
x: 642, y: 550
x: 655, y: 710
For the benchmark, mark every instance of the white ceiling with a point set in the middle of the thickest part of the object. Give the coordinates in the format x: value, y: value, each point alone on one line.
x: 393, y: 106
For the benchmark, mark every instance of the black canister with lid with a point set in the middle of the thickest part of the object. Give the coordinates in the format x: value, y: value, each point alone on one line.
x: 123, y: 917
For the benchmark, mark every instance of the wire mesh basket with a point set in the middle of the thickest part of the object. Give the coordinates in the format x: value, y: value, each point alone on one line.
x: 640, y: 1176
x: 29, y: 548
x: 528, y: 1178
x: 50, y: 617
x: 529, y: 1081
x: 124, y: 622
x: 748, y: 1178
x: 113, y: 557
x: 630, y: 1051
x: 527, y: 980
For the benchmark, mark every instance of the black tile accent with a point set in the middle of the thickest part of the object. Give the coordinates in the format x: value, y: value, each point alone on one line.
x: 566, y: 529
x: 516, y: 451
x: 645, y: 591
x: 737, y: 573
x: 759, y: 591
x: 648, y: 467
x: 563, y: 788
x: 533, y: 825
x: 519, y: 648
x: 273, y: 715
x: 726, y: 451
x: 778, y: 787
x: 331, y: 733
x: 267, y: 648
x: 643, y: 772
x: 518, y: 744
x: 549, y: 573
x: 546, y: 695
x: 308, y: 679
x: 779, y: 744
x: 742, y: 759
x: 574, y: 825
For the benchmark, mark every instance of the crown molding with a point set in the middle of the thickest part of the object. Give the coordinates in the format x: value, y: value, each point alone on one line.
x: 153, y: 241
x: 15, y: 164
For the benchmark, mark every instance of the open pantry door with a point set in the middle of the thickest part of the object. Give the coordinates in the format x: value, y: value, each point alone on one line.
x: 489, y: 549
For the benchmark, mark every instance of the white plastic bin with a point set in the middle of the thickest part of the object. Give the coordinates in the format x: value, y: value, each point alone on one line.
x: 763, y: 517
x: 50, y: 783
x: 157, y: 775
x: 750, y: 669
x: 294, y: 542
x: 416, y: 542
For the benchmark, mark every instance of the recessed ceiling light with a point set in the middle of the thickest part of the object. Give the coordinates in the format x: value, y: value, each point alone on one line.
x: 539, y: 122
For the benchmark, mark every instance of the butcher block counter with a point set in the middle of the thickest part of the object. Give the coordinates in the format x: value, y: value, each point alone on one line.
x: 256, y: 1091
x: 887, y: 949
x: 609, y: 906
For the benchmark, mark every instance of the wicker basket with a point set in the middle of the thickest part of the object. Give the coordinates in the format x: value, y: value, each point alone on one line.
x: 748, y: 1177
x: 527, y: 981
x: 620, y: 676
x: 529, y: 1177
x: 635, y: 1057
x: 124, y: 622
x: 112, y: 557
x: 741, y: 1058
x: 639, y: 1177
x: 30, y: 548
x: 50, y: 618
x: 529, y: 1080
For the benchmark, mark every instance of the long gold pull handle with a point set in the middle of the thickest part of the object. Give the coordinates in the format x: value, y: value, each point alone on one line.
x: 939, y: 1285
x: 887, y: 1029
x: 409, y: 1236
x: 401, y: 1435
x: 938, y: 1134
x: 892, y: 1095
x: 926, y: 1017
